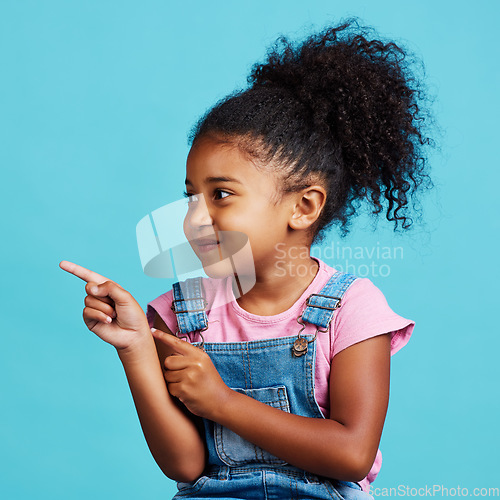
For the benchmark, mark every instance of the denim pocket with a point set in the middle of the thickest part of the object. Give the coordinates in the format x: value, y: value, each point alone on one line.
x: 346, y: 490
x: 190, y: 488
x: 234, y: 450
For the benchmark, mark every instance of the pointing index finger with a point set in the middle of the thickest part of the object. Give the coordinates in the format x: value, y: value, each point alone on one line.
x: 180, y: 346
x: 82, y: 273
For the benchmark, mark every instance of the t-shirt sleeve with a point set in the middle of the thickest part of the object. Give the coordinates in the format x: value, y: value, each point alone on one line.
x: 162, y: 306
x: 365, y: 313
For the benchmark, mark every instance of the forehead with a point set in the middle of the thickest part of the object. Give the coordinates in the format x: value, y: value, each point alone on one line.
x: 212, y: 159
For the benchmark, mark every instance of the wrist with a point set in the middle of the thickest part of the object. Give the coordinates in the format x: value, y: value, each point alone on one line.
x: 224, y: 406
x: 138, y: 350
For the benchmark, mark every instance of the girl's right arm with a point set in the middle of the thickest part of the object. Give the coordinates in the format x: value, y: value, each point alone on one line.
x: 172, y: 436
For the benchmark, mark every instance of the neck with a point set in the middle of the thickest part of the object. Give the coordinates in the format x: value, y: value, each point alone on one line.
x: 278, y: 287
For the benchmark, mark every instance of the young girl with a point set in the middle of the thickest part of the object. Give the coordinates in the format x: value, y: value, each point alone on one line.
x: 279, y: 386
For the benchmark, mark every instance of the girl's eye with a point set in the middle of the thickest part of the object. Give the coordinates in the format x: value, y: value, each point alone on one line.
x: 219, y: 194
x: 191, y: 197
x: 223, y: 194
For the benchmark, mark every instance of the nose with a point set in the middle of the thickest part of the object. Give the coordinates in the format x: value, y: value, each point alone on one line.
x: 198, y: 214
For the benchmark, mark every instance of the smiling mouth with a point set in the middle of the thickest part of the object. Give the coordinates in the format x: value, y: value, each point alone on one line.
x: 206, y: 244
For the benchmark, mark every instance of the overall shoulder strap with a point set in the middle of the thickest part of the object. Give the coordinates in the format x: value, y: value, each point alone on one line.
x: 189, y: 305
x: 321, y: 306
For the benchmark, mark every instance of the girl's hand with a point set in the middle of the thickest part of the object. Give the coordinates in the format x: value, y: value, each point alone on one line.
x: 110, y: 312
x: 192, y: 378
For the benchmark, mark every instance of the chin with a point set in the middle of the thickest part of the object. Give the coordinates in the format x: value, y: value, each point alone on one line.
x: 218, y: 270
x: 241, y: 282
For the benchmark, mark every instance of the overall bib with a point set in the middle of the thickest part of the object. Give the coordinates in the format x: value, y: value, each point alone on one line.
x: 278, y: 372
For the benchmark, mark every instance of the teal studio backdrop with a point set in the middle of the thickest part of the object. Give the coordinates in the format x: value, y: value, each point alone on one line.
x: 96, y: 99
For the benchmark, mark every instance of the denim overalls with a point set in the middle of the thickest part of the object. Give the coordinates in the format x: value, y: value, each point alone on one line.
x: 278, y: 372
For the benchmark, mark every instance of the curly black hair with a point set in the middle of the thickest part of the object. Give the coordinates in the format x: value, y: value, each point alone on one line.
x: 340, y: 108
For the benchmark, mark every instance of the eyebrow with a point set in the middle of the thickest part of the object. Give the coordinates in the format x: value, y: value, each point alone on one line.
x: 217, y: 179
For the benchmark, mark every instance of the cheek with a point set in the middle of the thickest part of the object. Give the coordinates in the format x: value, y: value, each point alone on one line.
x: 252, y: 220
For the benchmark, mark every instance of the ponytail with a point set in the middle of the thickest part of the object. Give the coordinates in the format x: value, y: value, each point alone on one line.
x: 340, y: 107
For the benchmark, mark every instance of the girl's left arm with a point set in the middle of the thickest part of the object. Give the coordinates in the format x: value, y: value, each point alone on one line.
x: 343, y: 446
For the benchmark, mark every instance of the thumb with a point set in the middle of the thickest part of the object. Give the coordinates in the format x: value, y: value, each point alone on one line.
x: 109, y: 289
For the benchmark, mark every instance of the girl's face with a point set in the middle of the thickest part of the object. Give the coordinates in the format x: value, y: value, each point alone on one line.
x: 237, y: 200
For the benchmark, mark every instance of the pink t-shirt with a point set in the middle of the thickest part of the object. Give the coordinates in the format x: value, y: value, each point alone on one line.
x: 364, y: 314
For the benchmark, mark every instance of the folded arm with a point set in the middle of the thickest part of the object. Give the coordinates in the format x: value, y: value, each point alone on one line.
x: 343, y: 447
x: 171, y: 433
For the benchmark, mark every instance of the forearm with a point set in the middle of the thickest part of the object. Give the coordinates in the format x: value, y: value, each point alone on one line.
x: 172, y: 437
x: 320, y: 446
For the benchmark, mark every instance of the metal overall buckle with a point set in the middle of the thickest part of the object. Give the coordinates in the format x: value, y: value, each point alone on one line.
x: 336, y: 306
x: 174, y: 309
x: 300, y: 345
x: 187, y: 339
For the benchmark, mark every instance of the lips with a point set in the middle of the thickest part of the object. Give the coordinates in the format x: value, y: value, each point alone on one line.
x: 206, y: 244
x: 205, y: 241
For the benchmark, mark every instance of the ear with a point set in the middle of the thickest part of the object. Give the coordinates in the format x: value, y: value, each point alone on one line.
x: 308, y: 205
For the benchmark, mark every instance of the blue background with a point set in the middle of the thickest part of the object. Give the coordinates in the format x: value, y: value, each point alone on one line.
x: 96, y: 99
